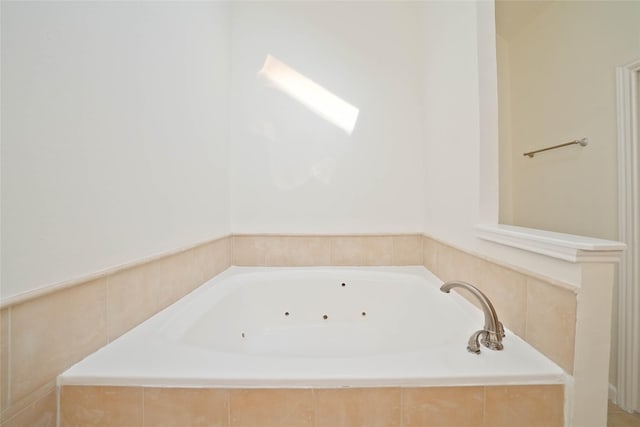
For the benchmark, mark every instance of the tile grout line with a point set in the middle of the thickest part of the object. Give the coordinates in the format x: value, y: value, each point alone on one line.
x: 228, y: 393
x: 484, y: 406
x: 526, y: 310
x: 106, y: 309
x: 402, y: 406
x: 8, y: 398
x: 232, y: 250
x: 315, y: 407
x: 58, y: 398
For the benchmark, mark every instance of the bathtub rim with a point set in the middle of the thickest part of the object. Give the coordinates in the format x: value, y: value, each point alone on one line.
x: 552, y: 374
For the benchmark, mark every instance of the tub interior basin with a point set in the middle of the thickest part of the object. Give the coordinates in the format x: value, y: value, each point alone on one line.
x: 323, y: 314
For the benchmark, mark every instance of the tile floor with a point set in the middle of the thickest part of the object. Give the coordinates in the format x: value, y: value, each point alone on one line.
x: 619, y: 418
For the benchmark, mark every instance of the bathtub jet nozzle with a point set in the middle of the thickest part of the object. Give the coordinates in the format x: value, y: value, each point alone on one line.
x: 492, y: 333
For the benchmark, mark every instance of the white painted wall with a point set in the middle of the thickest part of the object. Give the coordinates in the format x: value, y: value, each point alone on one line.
x: 459, y: 151
x: 115, y: 142
x: 114, y: 134
x: 294, y: 172
x: 489, y: 153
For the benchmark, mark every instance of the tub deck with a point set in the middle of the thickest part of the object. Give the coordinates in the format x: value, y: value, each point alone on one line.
x: 158, y: 353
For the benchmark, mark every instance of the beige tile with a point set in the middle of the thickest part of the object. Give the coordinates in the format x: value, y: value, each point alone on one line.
x: 211, y: 259
x: 346, y: 250
x: 470, y: 267
x: 41, y: 413
x: 194, y: 267
x: 168, y: 278
x: 222, y: 255
x: 275, y: 250
x: 271, y: 407
x: 50, y: 333
x: 325, y: 250
x: 131, y: 298
x: 281, y: 250
x: 407, y: 250
x: 430, y: 254
x: 191, y: 269
x: 448, y: 259
x: 4, y: 359
x: 199, y: 262
x: 202, y: 258
x: 101, y: 406
x: 530, y: 406
x: 507, y: 290
x: 443, y: 406
x: 454, y: 264
x: 551, y: 321
x: 249, y: 250
x: 377, y: 250
x: 177, y: 407
x: 307, y: 250
x: 17, y: 406
x: 446, y: 262
x: 371, y: 407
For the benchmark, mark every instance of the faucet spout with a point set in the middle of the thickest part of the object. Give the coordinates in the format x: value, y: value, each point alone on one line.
x: 492, y: 333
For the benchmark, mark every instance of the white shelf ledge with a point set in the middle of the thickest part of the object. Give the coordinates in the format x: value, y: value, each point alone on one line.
x: 567, y: 247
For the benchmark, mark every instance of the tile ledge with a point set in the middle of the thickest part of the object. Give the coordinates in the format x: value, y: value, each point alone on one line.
x: 566, y: 247
x: 44, y: 290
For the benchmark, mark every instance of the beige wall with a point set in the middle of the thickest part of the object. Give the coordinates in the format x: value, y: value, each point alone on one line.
x: 560, y: 70
x: 562, y: 87
x: 504, y: 129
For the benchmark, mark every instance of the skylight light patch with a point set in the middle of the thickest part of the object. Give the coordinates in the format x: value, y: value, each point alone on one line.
x: 313, y: 96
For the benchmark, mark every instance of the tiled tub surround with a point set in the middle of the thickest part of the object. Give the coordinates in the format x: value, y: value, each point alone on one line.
x: 313, y: 327
x: 518, y: 295
x: 38, y: 406
x: 587, y: 267
x: 44, y: 335
x: 399, y: 302
x: 541, y: 311
x: 291, y: 251
x: 475, y: 406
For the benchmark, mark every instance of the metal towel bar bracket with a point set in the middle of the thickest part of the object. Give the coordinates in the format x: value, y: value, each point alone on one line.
x: 582, y: 142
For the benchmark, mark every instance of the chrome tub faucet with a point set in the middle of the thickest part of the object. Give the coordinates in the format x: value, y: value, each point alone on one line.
x: 492, y: 333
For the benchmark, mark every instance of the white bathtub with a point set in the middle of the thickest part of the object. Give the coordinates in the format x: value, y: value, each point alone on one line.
x: 313, y: 327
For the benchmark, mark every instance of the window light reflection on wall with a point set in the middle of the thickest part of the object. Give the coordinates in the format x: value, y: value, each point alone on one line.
x: 304, y: 90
